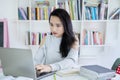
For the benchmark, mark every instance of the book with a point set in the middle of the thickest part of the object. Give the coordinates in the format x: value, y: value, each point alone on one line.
x: 114, y: 13
x: 103, y: 8
x: 96, y: 72
x: 37, y: 13
x: 84, y: 32
x: 67, y: 72
x: 28, y: 13
x: 42, y: 2
x: 92, y: 10
x: 87, y: 13
x: 91, y: 39
x: 93, y: 3
x: 22, y: 14
x: 95, y: 38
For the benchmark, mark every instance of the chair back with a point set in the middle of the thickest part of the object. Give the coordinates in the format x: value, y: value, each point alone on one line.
x: 116, y: 63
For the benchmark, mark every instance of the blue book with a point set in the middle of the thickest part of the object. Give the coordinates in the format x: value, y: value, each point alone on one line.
x: 93, y: 13
x: 87, y: 13
x: 22, y: 14
x: 96, y: 13
x: 86, y: 38
x: 20, y: 17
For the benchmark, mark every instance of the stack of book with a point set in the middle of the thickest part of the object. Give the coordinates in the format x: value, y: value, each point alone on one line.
x: 96, y: 72
x: 96, y: 9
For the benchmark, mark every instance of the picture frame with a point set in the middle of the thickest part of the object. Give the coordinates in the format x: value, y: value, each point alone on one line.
x: 4, y: 37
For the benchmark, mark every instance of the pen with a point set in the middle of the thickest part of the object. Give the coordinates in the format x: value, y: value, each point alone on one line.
x: 54, y: 76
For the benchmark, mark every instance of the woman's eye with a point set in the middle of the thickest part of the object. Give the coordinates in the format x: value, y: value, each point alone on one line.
x: 51, y: 24
x: 58, y: 25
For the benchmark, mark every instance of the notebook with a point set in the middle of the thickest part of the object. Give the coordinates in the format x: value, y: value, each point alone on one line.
x: 19, y: 62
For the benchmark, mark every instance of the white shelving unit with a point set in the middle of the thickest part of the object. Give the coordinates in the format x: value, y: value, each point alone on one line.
x: 110, y: 29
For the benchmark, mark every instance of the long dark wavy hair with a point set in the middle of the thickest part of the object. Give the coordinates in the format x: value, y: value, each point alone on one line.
x: 68, y: 37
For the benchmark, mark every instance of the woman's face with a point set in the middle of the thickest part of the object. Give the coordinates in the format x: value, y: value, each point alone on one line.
x: 56, y: 26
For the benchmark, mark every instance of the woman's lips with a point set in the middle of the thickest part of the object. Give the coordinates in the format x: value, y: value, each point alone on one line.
x: 54, y: 33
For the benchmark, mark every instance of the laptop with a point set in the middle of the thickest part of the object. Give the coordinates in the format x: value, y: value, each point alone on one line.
x: 19, y: 62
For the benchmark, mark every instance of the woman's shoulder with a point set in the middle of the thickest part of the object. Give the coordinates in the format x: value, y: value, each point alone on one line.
x: 75, y: 45
x: 49, y: 37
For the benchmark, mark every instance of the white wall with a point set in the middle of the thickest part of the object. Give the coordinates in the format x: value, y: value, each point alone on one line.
x: 8, y: 9
x: 112, y: 53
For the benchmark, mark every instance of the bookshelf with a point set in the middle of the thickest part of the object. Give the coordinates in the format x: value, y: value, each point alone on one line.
x: 90, y: 20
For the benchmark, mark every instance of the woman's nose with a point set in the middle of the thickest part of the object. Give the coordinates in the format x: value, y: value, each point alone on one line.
x: 54, y: 28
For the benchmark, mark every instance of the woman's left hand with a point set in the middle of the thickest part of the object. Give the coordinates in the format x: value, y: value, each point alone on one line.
x: 43, y: 68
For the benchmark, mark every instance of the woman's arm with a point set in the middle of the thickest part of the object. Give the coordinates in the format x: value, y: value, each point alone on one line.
x: 39, y: 57
x: 68, y: 62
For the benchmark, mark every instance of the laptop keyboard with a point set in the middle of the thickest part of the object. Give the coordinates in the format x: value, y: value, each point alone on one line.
x: 44, y: 74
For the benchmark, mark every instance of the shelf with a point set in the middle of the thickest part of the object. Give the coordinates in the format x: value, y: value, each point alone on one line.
x: 95, y: 20
x: 91, y: 46
x: 77, y: 21
x: 109, y: 29
x: 23, y: 21
x: 40, y: 21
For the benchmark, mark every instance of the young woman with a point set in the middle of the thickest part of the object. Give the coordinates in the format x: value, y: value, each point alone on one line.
x: 60, y: 49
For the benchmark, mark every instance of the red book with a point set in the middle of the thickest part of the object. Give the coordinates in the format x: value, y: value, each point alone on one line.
x: 118, y: 69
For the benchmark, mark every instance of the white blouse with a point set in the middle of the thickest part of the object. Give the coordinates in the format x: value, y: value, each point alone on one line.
x: 49, y: 54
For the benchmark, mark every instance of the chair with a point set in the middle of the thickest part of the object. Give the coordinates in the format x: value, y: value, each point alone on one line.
x: 116, y: 63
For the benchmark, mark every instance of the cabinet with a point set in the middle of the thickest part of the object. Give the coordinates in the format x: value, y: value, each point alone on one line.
x: 90, y: 18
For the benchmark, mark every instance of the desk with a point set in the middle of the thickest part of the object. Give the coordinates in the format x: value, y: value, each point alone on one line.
x: 74, y: 77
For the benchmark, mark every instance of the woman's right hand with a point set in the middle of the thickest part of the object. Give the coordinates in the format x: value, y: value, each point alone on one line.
x: 43, y: 68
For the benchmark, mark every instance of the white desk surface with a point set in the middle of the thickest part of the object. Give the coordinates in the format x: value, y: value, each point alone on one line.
x: 73, y: 77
